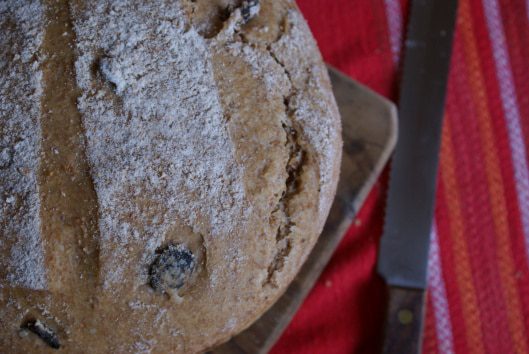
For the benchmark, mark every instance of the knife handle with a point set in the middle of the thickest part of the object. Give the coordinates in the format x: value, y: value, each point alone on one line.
x: 404, y: 321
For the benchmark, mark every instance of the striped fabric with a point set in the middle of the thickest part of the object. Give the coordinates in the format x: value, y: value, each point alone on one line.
x: 478, y: 299
x: 395, y: 27
x: 484, y: 186
x: 437, y: 299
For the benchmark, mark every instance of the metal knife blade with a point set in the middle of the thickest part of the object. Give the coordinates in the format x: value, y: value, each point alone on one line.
x: 403, y: 255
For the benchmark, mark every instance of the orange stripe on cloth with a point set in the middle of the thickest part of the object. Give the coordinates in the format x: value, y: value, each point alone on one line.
x: 495, y: 181
x: 463, y: 272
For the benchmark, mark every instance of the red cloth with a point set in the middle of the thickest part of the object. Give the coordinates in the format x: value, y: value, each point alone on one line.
x: 478, y: 298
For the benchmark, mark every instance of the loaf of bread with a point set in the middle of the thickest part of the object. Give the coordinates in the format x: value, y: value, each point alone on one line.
x: 166, y: 166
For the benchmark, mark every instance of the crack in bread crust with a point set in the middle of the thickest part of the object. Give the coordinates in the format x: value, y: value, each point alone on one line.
x: 293, y: 168
x: 297, y: 155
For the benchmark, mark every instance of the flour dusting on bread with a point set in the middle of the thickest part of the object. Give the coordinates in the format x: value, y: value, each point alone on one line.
x: 167, y: 150
x: 21, y: 250
x: 210, y: 148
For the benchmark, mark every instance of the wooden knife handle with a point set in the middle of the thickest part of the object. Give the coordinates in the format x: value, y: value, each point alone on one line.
x: 404, y: 321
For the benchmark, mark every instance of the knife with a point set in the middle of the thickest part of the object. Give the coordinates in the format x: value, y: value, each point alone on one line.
x: 404, y: 246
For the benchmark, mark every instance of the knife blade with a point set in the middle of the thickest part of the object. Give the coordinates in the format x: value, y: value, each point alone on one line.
x: 404, y: 247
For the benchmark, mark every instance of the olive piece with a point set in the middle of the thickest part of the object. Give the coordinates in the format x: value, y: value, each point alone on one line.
x: 249, y: 9
x: 45, y: 333
x: 172, y: 268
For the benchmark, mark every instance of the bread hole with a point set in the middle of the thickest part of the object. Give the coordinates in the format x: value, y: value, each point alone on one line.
x: 6, y: 157
x: 104, y: 81
x: 209, y: 17
x: 102, y: 70
x: 41, y: 330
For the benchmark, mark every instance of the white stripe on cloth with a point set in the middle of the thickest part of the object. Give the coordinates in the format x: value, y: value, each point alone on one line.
x: 438, y: 295
x: 511, y: 111
x: 395, y: 27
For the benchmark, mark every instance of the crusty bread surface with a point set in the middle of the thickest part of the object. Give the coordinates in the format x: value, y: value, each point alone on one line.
x: 165, y: 169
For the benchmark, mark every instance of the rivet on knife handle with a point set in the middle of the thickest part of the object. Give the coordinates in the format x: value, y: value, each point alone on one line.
x: 404, y: 320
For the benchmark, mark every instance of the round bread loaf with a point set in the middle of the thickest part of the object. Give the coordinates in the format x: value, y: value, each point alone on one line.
x: 166, y: 167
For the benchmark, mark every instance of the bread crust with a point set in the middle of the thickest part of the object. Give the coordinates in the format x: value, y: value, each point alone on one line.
x: 202, y: 127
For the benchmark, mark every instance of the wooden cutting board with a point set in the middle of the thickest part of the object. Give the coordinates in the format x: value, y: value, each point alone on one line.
x: 369, y: 134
